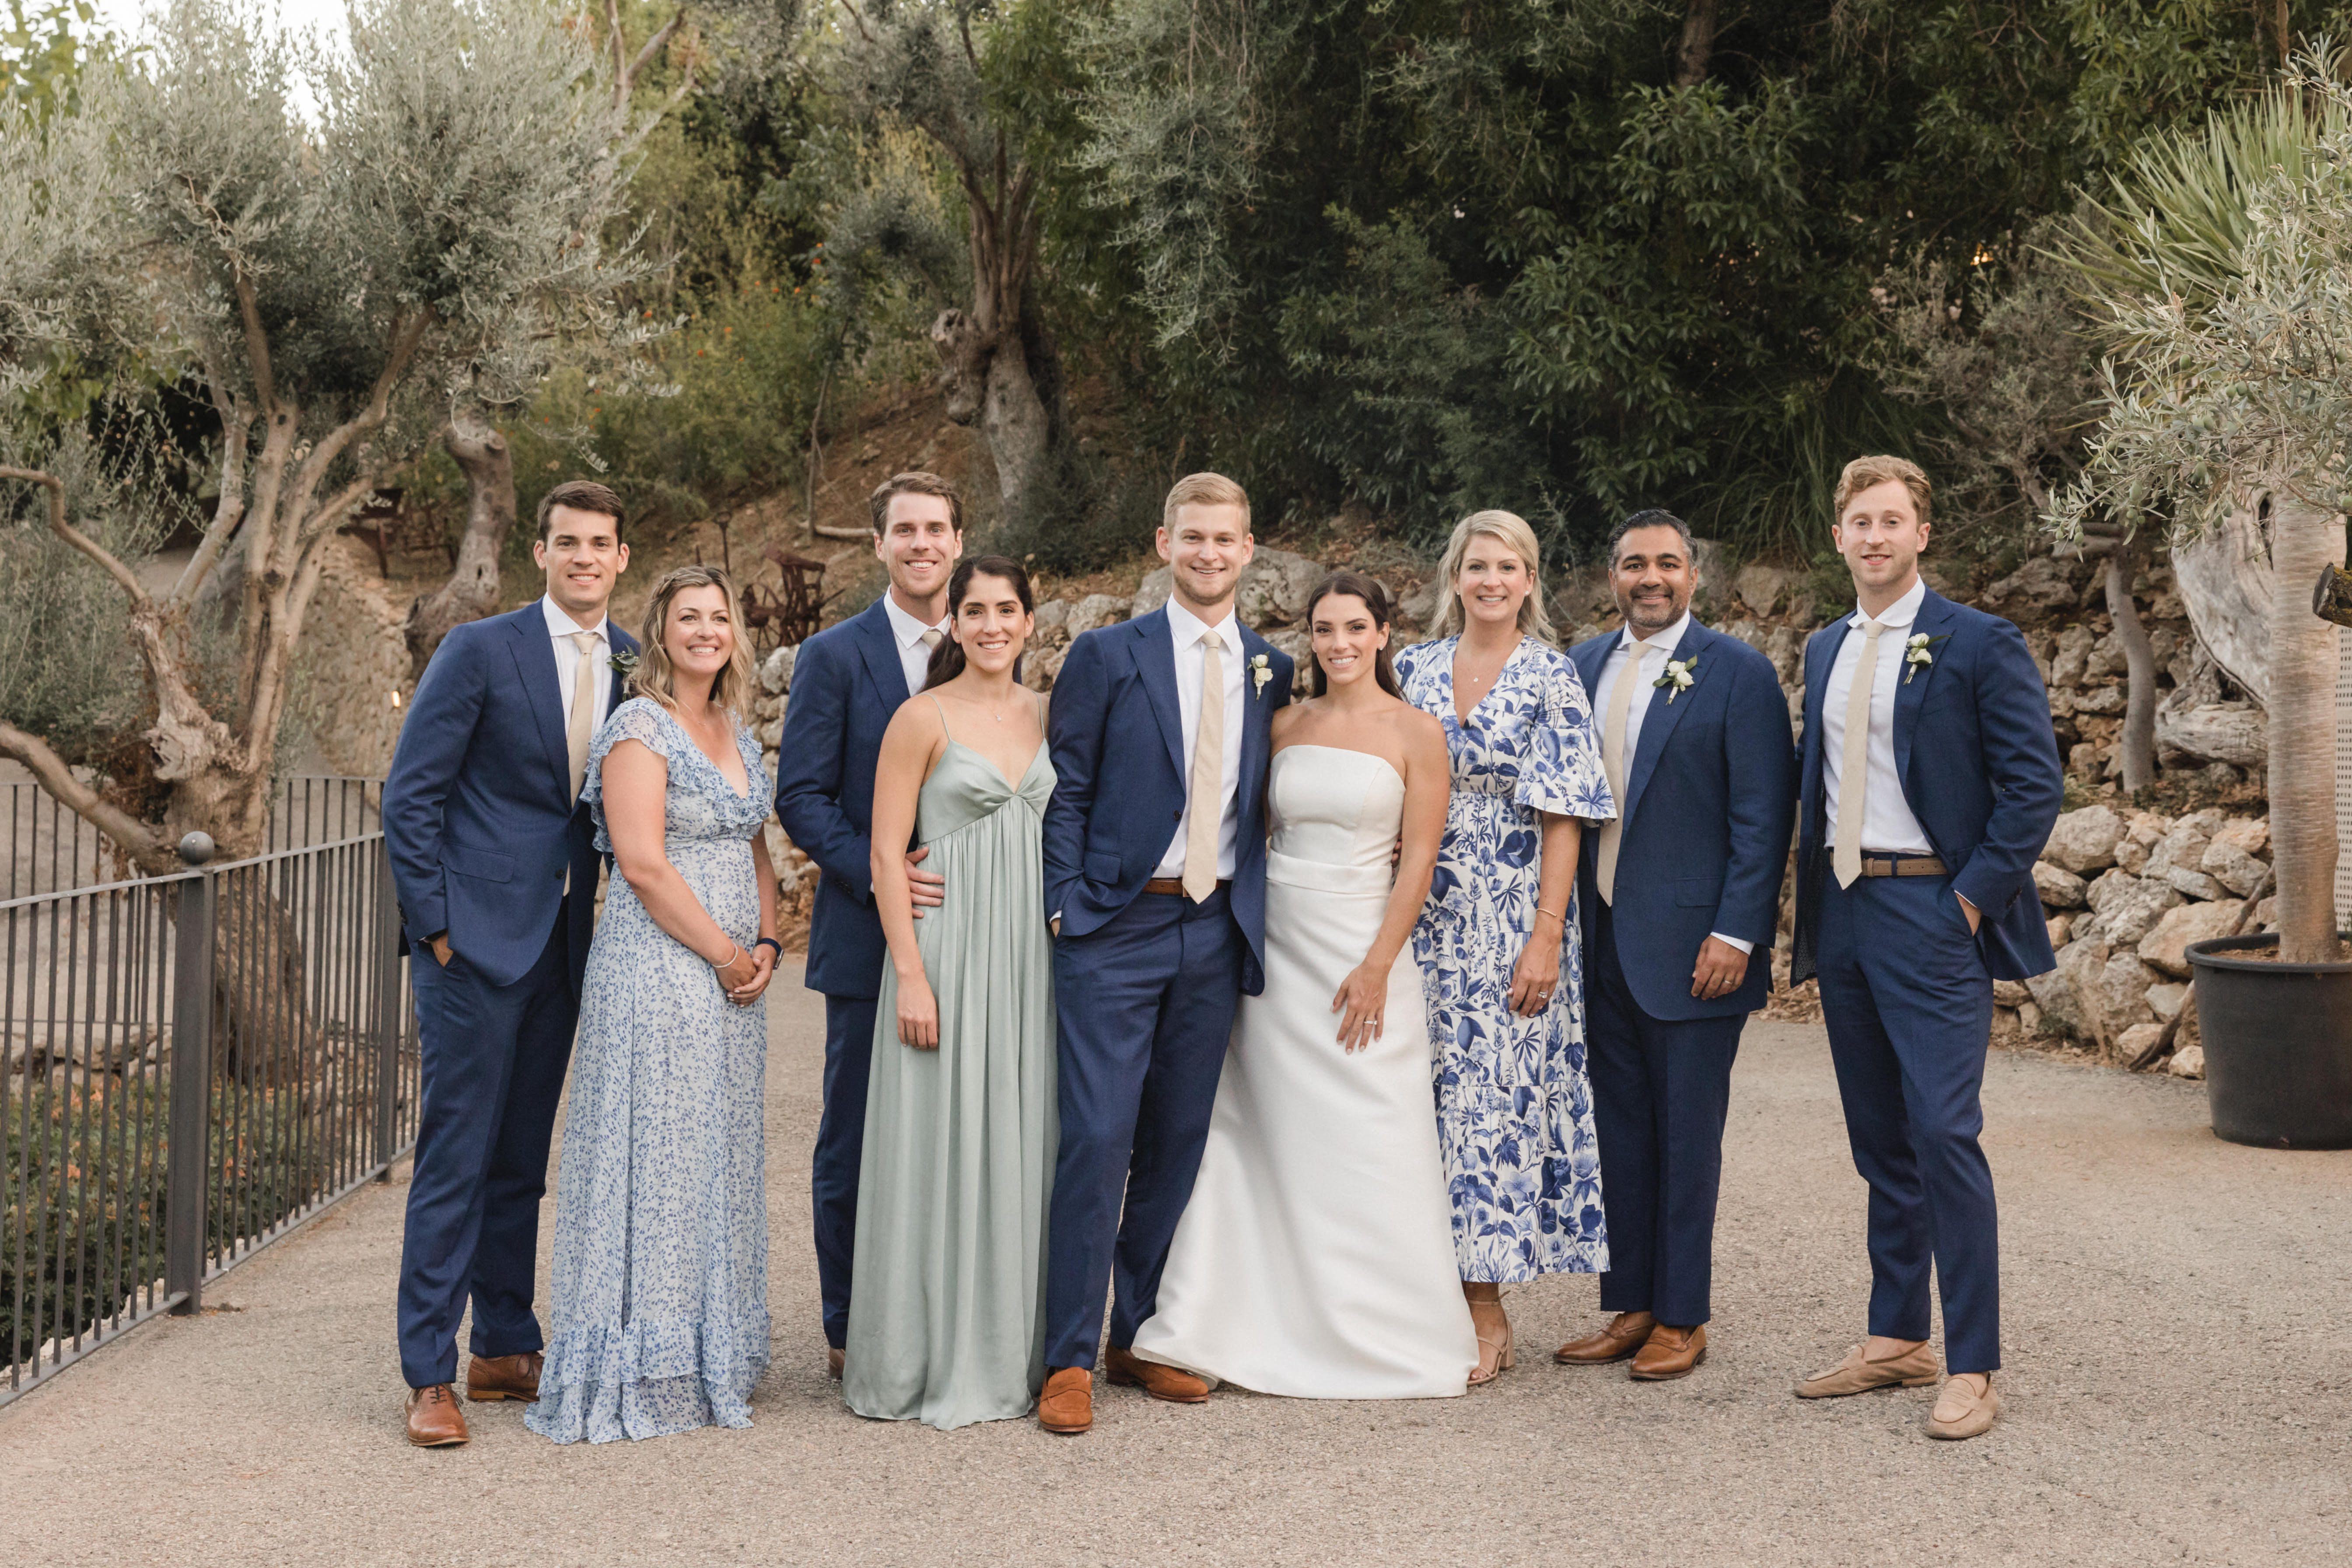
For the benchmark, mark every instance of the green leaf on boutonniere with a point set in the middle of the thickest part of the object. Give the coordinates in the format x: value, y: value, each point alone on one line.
x: 625, y: 662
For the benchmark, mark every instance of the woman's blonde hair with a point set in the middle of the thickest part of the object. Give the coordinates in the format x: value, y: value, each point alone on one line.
x: 657, y: 676
x: 1512, y: 531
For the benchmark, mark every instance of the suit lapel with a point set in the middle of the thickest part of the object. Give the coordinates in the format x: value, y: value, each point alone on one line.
x: 1658, y: 724
x: 1253, y: 724
x: 879, y: 648
x: 534, y: 657
x: 1156, y: 659
x: 1817, y: 686
x: 1933, y: 620
x: 1589, y: 658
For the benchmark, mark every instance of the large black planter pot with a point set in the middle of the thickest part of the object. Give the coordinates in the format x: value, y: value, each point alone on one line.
x: 2278, y: 1045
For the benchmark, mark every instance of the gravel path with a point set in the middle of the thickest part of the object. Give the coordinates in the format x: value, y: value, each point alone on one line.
x: 2179, y: 1391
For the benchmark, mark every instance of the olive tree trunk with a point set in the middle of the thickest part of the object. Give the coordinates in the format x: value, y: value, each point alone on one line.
x: 2135, y: 748
x: 2303, y: 665
x: 472, y: 590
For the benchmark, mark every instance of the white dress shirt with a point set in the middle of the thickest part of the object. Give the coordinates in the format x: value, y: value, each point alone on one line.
x: 1188, y: 630
x: 1655, y: 651
x: 1888, y: 825
x: 562, y: 629
x: 913, y: 656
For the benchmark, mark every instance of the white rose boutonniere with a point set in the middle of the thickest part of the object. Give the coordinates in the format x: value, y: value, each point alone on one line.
x: 1261, y: 671
x: 1918, y: 650
x: 1681, y: 675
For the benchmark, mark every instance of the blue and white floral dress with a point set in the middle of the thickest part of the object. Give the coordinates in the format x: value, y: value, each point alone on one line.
x: 1514, y: 1105
x: 658, y: 1307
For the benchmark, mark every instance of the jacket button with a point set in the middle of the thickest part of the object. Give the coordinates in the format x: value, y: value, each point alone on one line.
x: 1176, y: 816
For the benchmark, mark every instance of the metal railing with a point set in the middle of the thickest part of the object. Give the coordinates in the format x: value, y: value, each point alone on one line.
x: 47, y: 848
x: 196, y: 1065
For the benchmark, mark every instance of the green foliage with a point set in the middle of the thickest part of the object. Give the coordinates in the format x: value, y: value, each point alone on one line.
x: 46, y: 48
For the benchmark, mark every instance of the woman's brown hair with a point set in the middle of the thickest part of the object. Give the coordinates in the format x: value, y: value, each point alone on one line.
x: 656, y: 678
x: 1355, y: 584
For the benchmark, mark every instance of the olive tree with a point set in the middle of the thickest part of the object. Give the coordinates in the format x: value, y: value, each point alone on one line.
x: 331, y: 284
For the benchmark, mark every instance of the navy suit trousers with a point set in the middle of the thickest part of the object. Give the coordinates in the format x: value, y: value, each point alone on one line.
x: 1908, y: 1005
x: 840, y: 1151
x: 1660, y: 1094
x: 493, y: 1059
x: 1144, y: 1006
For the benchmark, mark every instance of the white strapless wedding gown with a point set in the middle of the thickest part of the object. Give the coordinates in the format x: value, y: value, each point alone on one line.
x: 1315, y: 1258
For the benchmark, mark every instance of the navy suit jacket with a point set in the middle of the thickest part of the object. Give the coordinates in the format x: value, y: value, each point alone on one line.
x: 848, y: 683
x: 1710, y: 800
x: 477, y: 811
x: 1118, y: 740
x: 1979, y: 762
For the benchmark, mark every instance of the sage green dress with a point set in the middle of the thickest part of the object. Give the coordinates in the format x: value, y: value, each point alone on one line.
x: 947, y: 1300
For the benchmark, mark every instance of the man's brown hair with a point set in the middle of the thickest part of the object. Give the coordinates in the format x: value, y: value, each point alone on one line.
x: 914, y: 482
x: 1204, y: 490
x: 1863, y: 472
x: 581, y: 495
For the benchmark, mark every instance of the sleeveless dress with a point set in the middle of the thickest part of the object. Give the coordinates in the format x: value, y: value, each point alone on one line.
x: 947, y: 1304
x: 658, y: 1308
x: 1315, y: 1258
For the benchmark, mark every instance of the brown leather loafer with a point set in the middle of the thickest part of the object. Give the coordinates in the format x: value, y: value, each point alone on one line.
x: 1067, y: 1404
x: 505, y: 1377
x: 434, y: 1419
x: 833, y: 1362
x: 1171, y: 1383
x: 1669, y: 1354
x: 1623, y: 1336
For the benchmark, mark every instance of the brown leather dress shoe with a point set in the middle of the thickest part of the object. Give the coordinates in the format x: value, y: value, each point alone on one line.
x: 1622, y: 1337
x: 1669, y: 1354
x: 1171, y: 1383
x: 1068, y: 1402
x: 434, y: 1419
x: 505, y: 1377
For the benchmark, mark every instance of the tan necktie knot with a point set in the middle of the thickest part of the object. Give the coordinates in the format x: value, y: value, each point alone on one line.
x: 1207, y: 795
x: 1854, y: 760
x: 933, y: 637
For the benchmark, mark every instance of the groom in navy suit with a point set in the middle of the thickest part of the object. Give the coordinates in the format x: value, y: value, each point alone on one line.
x: 1155, y: 884
x: 1930, y: 782
x: 494, y: 862
x: 847, y: 681
x: 1679, y: 896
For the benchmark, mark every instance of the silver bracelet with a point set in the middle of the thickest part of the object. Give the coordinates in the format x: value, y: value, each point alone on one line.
x: 733, y: 952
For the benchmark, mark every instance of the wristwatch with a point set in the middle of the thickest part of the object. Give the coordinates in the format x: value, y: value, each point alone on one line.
x: 772, y: 944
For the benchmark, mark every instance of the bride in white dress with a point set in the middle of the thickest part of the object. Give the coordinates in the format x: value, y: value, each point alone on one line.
x: 1315, y: 1258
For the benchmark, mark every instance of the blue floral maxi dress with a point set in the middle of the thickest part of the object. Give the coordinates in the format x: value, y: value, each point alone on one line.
x: 1514, y: 1106
x: 658, y: 1310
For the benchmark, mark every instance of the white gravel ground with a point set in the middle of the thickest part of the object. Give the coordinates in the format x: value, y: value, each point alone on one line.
x: 2181, y: 1391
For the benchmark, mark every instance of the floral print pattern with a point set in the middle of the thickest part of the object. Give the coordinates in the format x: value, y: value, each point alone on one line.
x: 658, y: 1307
x: 1514, y: 1105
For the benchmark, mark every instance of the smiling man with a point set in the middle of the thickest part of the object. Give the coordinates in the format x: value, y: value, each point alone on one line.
x: 494, y: 861
x: 1155, y: 883
x: 847, y: 681
x: 1930, y: 782
x: 1680, y: 895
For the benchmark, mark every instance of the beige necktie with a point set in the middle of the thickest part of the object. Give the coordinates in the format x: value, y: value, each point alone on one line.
x: 1613, y: 764
x: 1854, y: 761
x: 582, y: 728
x: 1208, y: 793
x: 932, y: 637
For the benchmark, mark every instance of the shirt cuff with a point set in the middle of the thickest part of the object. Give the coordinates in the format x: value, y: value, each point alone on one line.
x: 1745, y: 947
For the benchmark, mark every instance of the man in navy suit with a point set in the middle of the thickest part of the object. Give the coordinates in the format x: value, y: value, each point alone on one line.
x: 1155, y: 884
x: 1930, y: 782
x: 1678, y: 895
x: 494, y: 862
x: 846, y: 683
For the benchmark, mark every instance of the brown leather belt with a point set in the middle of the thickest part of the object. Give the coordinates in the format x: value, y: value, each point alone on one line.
x: 1173, y: 886
x: 1875, y: 863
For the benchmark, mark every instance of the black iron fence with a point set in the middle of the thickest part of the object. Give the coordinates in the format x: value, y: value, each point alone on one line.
x: 46, y: 848
x: 194, y: 1065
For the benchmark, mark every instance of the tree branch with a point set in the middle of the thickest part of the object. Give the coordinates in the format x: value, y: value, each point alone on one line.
x: 407, y: 332
x: 76, y: 537
x: 139, y: 842
x: 654, y: 46
x: 236, y: 424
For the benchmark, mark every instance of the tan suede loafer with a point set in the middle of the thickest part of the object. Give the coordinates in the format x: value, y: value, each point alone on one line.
x: 834, y: 1358
x: 505, y: 1377
x: 1171, y: 1383
x: 1067, y: 1406
x: 1669, y: 1354
x: 1624, y: 1335
x: 1961, y: 1412
x: 1915, y: 1368
x: 434, y: 1419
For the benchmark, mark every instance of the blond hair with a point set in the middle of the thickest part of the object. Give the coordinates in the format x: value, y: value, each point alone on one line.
x: 1204, y: 490
x: 1864, y: 473
x: 1510, y: 530
x: 656, y: 678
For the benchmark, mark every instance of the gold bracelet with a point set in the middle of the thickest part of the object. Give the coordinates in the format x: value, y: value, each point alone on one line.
x: 1561, y: 919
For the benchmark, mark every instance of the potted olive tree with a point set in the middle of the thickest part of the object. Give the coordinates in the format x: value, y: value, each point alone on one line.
x: 2224, y: 272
